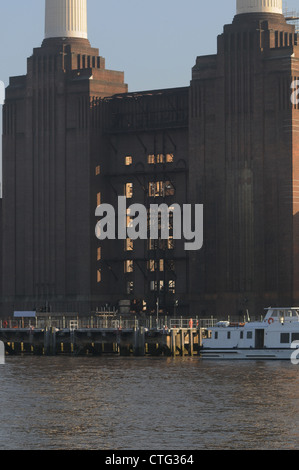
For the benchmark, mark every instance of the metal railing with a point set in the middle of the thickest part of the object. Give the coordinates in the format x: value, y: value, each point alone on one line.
x: 108, y: 322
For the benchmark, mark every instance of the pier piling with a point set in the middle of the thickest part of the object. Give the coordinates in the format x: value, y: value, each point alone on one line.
x: 179, y: 340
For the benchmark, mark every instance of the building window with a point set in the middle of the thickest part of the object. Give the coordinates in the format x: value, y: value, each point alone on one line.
x: 171, y: 286
x: 129, y: 190
x: 169, y: 158
x: 129, y: 221
x: 98, y: 170
x: 128, y: 160
x: 130, y: 287
x: 160, y: 158
x: 129, y: 266
x: 99, y: 253
x: 154, y: 285
x: 169, y: 189
x: 99, y: 275
x: 99, y: 199
x: 171, y: 265
x: 155, y: 189
x: 153, y: 265
x: 170, y: 243
x: 160, y: 189
x: 129, y: 244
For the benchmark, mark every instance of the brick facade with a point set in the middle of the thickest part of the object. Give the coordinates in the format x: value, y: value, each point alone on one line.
x: 74, y: 136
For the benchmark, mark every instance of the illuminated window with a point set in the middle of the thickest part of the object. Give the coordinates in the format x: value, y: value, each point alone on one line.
x: 129, y: 190
x: 153, y: 265
x: 129, y: 244
x: 157, y: 285
x: 129, y: 266
x: 129, y: 221
x: 160, y: 188
x: 151, y: 159
x: 99, y: 275
x: 99, y: 253
x: 99, y: 199
x: 170, y: 243
x: 155, y: 188
x: 171, y: 287
x: 160, y: 158
x: 128, y: 160
x: 154, y: 286
x: 98, y: 170
x: 169, y: 158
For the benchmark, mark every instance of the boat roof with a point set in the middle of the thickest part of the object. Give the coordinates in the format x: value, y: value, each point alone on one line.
x: 282, y: 308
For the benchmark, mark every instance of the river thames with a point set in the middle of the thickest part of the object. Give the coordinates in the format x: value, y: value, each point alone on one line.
x: 114, y: 403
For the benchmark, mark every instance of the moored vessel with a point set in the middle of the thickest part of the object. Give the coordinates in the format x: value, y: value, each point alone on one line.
x: 276, y: 337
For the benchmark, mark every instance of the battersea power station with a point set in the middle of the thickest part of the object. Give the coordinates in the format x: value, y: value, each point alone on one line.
x: 74, y: 139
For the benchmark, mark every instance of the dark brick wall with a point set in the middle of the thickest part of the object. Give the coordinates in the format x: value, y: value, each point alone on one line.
x: 47, y: 173
x: 242, y: 165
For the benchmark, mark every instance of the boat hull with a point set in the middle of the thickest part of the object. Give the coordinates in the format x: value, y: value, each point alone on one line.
x: 248, y: 354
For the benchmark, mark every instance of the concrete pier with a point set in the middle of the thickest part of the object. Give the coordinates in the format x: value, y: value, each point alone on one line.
x: 136, y: 341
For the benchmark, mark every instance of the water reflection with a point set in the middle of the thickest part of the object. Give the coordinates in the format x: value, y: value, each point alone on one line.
x: 147, y: 403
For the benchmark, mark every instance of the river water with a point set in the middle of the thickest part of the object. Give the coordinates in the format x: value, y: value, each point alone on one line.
x: 113, y: 403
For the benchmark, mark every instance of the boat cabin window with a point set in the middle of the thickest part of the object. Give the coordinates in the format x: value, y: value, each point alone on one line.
x: 284, y: 338
x: 216, y: 334
x: 249, y: 334
x: 295, y: 337
x: 241, y: 334
x: 228, y: 335
x: 275, y: 314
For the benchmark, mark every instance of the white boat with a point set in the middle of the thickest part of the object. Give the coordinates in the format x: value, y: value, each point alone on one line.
x: 275, y: 337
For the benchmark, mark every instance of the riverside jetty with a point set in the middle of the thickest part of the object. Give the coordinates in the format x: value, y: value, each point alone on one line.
x: 52, y: 335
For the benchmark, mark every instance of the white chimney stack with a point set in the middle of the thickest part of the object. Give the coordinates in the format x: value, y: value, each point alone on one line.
x: 66, y: 19
x: 259, y: 6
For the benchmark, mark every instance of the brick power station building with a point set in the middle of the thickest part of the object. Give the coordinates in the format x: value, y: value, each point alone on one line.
x: 73, y: 138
